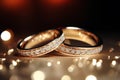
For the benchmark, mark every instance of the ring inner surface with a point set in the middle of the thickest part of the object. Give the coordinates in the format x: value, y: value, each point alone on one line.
x: 41, y: 39
x: 75, y: 43
x: 78, y: 38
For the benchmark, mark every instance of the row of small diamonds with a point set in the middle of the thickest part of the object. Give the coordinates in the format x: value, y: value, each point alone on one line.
x: 79, y: 51
x: 50, y: 46
x: 44, y: 49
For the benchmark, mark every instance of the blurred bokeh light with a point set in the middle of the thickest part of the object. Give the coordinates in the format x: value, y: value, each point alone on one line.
x: 6, y: 35
x: 13, y: 4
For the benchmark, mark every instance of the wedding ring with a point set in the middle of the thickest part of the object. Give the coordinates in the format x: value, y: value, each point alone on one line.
x: 74, y: 35
x: 41, y: 43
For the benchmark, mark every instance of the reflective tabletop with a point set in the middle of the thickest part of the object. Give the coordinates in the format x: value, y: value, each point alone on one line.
x: 52, y: 66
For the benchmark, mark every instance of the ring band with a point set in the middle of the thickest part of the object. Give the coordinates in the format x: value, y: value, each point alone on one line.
x: 81, y: 35
x: 48, y: 41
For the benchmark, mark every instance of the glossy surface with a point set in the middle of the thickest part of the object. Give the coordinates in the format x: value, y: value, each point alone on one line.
x: 102, y: 66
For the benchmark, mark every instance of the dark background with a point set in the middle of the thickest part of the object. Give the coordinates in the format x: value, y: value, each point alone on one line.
x: 33, y: 16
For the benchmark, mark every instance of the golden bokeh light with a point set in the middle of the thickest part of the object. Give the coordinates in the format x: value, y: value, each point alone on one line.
x: 71, y: 68
x: 13, y: 4
x: 14, y: 63
x: 38, y: 75
x: 94, y: 61
x: 1, y: 66
x: 113, y: 63
x: 10, y: 51
x: 7, y: 34
x: 66, y: 77
x: 58, y: 62
x: 49, y: 64
x: 91, y: 77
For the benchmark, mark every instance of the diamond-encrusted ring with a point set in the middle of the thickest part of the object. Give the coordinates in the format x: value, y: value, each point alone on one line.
x: 41, y: 43
x: 79, y: 42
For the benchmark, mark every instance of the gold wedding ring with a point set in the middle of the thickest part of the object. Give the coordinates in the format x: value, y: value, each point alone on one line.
x: 41, y: 43
x: 66, y: 41
x: 73, y: 49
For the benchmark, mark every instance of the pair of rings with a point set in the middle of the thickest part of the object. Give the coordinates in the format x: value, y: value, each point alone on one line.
x: 66, y: 41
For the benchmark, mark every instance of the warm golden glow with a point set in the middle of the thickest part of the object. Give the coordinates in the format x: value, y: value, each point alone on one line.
x: 18, y: 60
x: 99, y: 65
x: 71, y: 68
x: 91, y: 77
x: 10, y: 51
x: 117, y: 57
x: 3, y: 59
x: 80, y: 65
x: 6, y: 35
x: 94, y: 61
x: 38, y: 75
x: 58, y: 62
x: 11, y: 67
x: 66, y: 77
x: 100, y: 61
x: 14, y: 63
x: 109, y: 57
x: 75, y: 60
x: 49, y: 64
x: 113, y: 63
x: 1, y: 66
